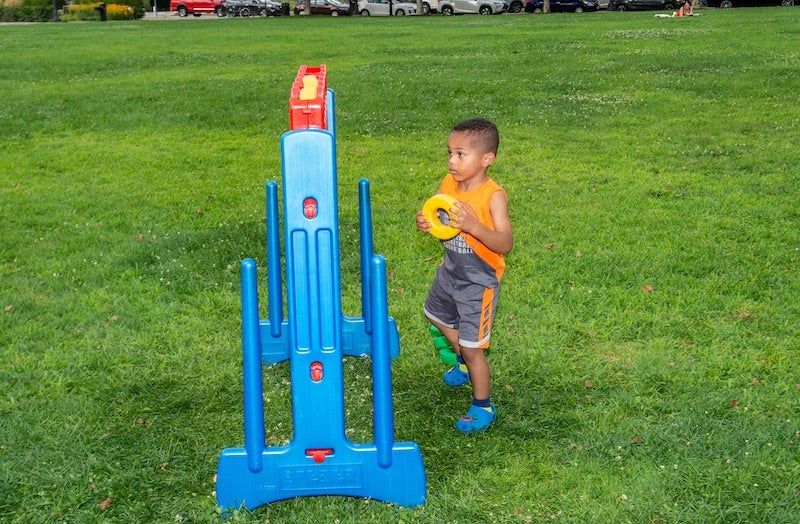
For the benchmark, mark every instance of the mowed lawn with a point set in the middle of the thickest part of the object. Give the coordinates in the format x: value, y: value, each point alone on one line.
x: 644, y: 356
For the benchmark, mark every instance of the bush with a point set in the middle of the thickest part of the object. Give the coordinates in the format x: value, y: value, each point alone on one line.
x: 82, y: 10
x: 28, y: 11
x: 119, y: 12
x: 137, y: 6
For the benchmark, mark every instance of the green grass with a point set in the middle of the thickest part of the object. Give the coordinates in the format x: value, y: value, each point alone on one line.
x: 644, y: 358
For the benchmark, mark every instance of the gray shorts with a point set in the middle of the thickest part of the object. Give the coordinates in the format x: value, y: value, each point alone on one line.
x: 464, y: 306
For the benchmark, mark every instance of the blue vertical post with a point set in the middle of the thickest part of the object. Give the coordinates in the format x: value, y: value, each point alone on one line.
x: 330, y: 114
x: 381, y: 364
x: 367, y: 250
x: 275, y: 296
x: 251, y: 348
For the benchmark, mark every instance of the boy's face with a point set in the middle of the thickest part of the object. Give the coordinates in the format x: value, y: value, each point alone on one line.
x: 466, y: 159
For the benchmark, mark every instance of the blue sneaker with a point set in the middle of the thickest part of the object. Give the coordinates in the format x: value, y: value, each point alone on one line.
x: 457, y: 375
x: 477, y: 419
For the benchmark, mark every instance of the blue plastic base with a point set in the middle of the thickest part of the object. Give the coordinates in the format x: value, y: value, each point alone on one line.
x: 351, y: 470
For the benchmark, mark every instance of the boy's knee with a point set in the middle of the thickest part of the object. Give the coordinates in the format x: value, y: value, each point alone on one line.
x: 469, y: 354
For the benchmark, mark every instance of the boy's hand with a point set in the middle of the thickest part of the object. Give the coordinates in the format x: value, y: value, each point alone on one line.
x: 464, y: 217
x: 423, y: 224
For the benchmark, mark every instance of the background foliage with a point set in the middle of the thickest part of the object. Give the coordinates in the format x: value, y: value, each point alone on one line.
x: 77, y: 10
x: 29, y: 10
x: 644, y: 358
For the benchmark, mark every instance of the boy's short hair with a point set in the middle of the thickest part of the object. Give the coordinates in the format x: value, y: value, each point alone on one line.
x: 485, y: 130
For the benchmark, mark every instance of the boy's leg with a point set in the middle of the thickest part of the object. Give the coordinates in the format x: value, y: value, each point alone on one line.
x: 478, y: 371
x: 441, y: 310
x: 449, y: 333
x: 482, y: 412
x: 458, y: 375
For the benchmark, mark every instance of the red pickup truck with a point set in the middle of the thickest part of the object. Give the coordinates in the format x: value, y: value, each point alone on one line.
x: 197, y: 7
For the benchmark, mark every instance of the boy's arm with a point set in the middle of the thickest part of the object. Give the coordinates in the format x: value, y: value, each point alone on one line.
x: 501, y: 240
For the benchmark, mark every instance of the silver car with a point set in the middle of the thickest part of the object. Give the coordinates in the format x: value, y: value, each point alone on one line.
x: 482, y: 7
x: 381, y: 8
x: 430, y: 6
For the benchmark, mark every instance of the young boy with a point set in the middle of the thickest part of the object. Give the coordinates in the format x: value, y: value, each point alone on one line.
x: 463, y: 297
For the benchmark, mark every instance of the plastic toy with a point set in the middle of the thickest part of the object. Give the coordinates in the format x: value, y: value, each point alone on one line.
x: 437, y: 210
x: 446, y: 352
x: 315, y: 337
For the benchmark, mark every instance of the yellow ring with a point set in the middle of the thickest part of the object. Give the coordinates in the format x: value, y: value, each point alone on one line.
x: 431, y: 209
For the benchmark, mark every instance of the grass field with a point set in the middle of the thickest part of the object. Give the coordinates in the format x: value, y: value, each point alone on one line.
x: 645, y: 353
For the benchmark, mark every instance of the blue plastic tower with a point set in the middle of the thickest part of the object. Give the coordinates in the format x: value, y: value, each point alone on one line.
x: 315, y: 337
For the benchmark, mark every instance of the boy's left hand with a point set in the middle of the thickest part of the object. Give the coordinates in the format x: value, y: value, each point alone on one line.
x: 464, y: 217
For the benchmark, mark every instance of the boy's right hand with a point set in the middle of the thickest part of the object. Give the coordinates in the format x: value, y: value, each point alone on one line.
x: 423, y: 224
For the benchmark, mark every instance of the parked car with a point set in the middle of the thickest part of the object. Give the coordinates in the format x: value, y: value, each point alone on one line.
x: 515, y: 6
x: 322, y: 7
x: 430, y: 6
x: 197, y: 7
x: 273, y: 8
x: 726, y: 4
x: 638, y: 5
x: 481, y: 7
x: 381, y: 8
x: 245, y: 8
x: 562, y: 6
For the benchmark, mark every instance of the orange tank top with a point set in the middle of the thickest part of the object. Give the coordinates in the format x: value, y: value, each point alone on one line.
x: 479, y: 200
